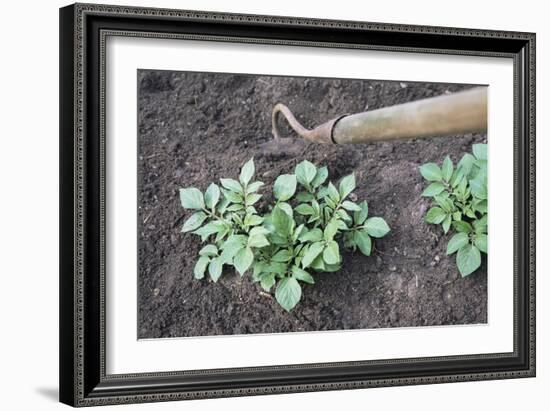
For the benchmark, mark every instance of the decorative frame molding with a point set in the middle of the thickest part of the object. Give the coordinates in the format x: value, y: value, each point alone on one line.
x: 83, y: 32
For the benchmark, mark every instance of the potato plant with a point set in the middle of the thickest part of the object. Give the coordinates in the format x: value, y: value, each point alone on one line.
x: 459, y: 205
x: 300, y: 236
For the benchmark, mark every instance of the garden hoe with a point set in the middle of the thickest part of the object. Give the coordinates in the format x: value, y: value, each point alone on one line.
x: 451, y: 114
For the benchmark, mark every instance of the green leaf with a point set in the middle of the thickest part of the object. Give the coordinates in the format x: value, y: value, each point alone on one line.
x: 253, y: 187
x: 332, y: 193
x: 193, y: 222
x: 312, y: 252
x: 297, y: 231
x: 480, y: 226
x: 318, y: 264
x: 456, y: 242
x: 257, y: 241
x: 243, y: 260
x: 284, y: 187
x: 288, y: 293
x: 480, y: 242
x: 331, y: 253
x: 258, y: 230
x: 277, y: 268
x: 253, y: 219
x: 447, y: 169
x: 480, y: 151
x: 252, y: 198
x: 377, y: 227
x: 480, y: 206
x: 232, y: 246
x: 363, y: 241
x: 222, y: 206
x: 466, y: 163
x: 258, y: 269
x: 331, y: 268
x: 212, y: 195
x: 330, y: 230
x: 479, y: 171
x: 267, y: 281
x: 232, y: 185
x: 305, y: 173
x: 469, y: 213
x: 247, y: 172
x: 431, y: 172
x: 444, y: 202
x: 316, y: 207
x: 234, y: 240
x: 233, y: 196
x: 302, y: 275
x: 215, y: 269
x: 278, y: 239
x: 446, y: 223
x: 457, y: 177
x: 349, y: 242
x: 220, y: 235
x: 282, y: 256
x: 462, y: 227
x: 360, y: 217
x: 347, y: 185
x: 312, y: 236
x: 433, y: 189
x: 281, y: 221
x: 340, y: 224
x: 304, y: 197
x: 320, y: 177
x: 191, y: 198
x: 200, y: 267
x: 235, y: 207
x: 212, y: 227
x: 209, y: 250
x: 350, y: 206
x: 330, y: 203
x: 468, y: 259
x: 286, y: 208
x: 345, y: 218
x: 479, y: 188
x: 305, y: 209
x: 435, y: 215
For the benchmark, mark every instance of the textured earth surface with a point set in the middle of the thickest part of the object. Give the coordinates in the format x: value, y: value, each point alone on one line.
x: 194, y: 128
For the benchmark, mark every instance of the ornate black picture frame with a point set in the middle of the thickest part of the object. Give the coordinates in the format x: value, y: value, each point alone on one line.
x: 83, y: 30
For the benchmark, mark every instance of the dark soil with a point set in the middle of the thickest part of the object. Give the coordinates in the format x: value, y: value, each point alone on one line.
x: 195, y: 128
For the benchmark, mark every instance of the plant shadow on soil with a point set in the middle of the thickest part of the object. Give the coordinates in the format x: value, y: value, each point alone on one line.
x: 194, y: 128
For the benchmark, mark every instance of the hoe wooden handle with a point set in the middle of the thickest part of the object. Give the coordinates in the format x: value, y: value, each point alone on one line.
x: 457, y: 113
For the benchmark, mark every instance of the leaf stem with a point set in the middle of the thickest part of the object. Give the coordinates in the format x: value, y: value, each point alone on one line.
x: 213, y: 215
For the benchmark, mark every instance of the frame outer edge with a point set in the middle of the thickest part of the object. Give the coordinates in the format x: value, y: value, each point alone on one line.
x: 198, y: 15
x: 67, y: 332
x: 532, y: 202
x: 72, y: 192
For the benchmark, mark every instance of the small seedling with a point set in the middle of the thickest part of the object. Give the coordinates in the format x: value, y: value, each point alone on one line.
x: 301, y: 234
x: 460, y: 204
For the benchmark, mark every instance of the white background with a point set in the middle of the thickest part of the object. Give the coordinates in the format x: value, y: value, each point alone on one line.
x: 29, y: 206
x: 125, y: 354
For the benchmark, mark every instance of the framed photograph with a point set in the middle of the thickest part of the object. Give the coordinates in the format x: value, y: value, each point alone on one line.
x: 260, y: 204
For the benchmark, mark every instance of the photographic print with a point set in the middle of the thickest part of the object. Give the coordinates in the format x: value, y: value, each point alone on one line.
x: 247, y: 224
x: 265, y: 184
